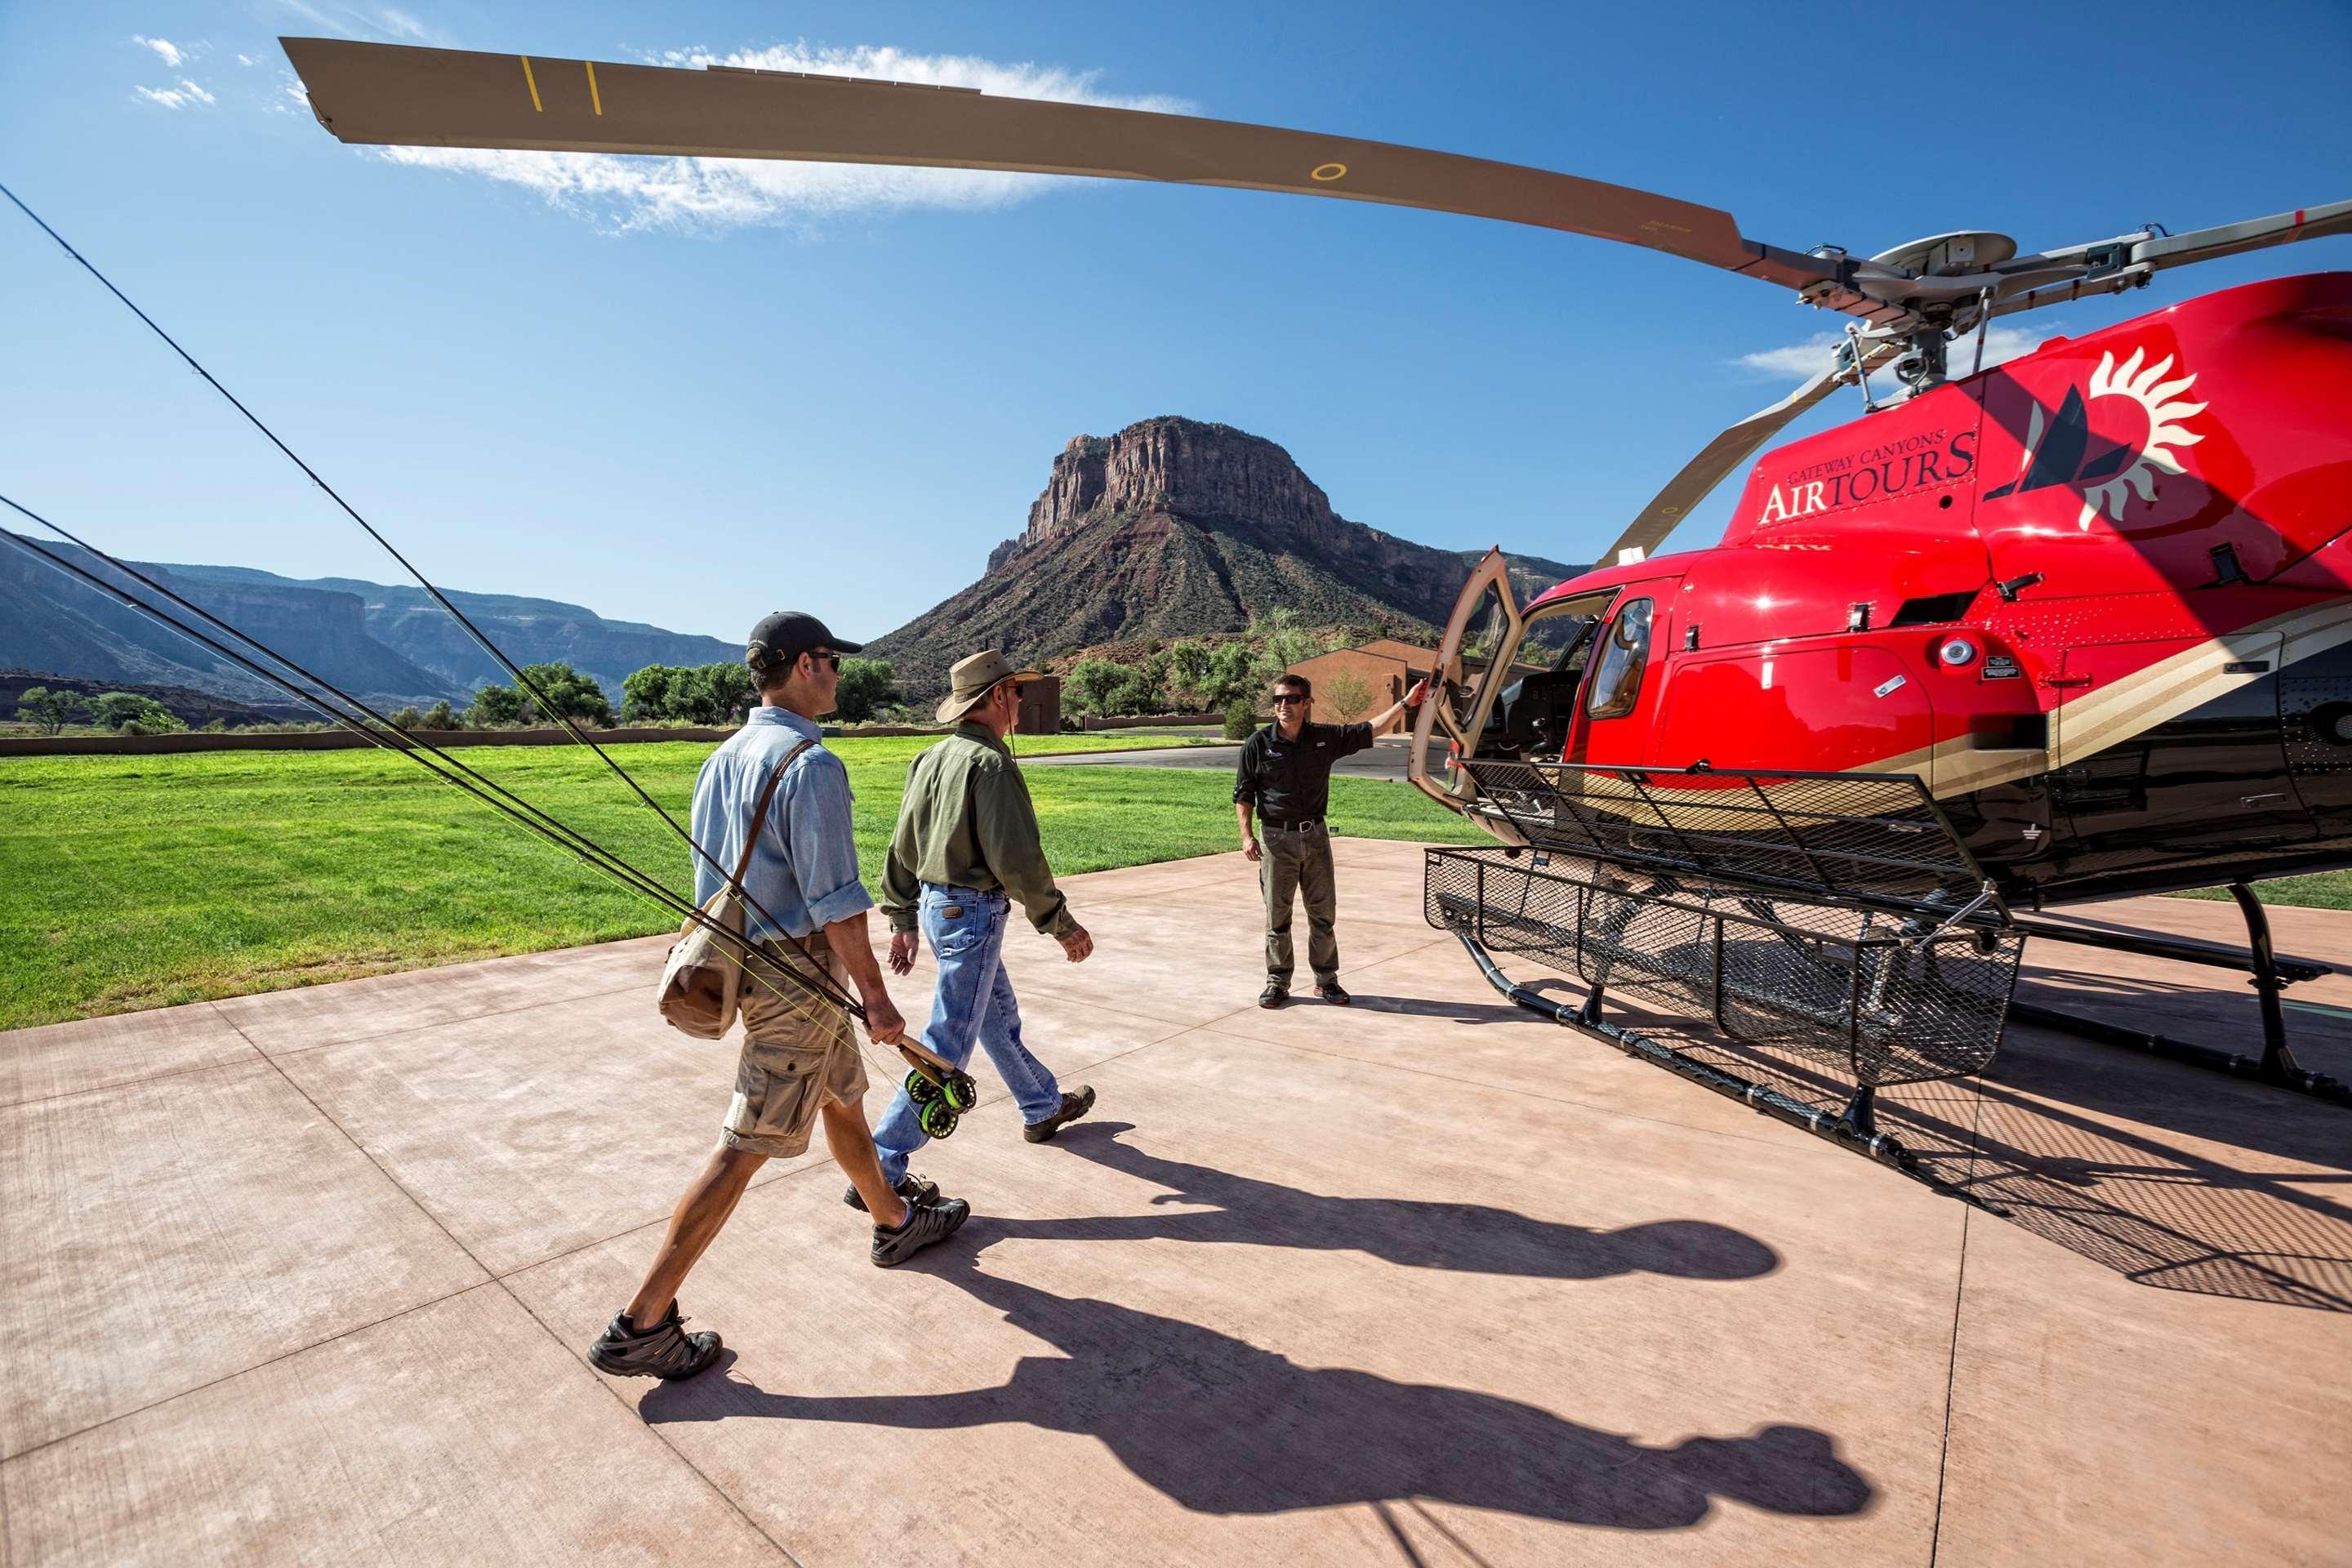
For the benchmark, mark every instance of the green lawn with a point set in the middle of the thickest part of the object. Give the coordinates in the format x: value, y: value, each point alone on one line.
x: 130, y: 882
x: 2326, y: 890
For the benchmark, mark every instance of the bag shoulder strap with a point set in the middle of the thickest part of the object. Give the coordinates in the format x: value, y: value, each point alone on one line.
x: 759, y: 812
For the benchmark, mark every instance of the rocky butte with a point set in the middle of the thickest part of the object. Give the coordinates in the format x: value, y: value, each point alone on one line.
x: 1175, y: 528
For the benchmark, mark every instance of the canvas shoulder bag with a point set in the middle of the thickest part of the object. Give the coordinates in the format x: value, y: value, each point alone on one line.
x: 702, y: 981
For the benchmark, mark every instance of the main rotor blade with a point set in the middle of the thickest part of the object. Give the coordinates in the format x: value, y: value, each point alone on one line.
x: 398, y: 95
x: 2128, y: 261
x: 1727, y: 453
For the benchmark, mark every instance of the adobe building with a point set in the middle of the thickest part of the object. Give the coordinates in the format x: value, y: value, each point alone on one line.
x: 1387, y: 668
x: 1040, y: 706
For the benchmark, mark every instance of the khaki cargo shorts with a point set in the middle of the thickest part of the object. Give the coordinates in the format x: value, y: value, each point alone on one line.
x: 799, y: 1051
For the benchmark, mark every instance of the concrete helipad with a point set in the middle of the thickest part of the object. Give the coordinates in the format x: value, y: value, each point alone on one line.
x: 307, y: 1277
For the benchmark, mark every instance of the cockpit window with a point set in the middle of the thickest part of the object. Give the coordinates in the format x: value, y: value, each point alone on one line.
x: 1624, y: 652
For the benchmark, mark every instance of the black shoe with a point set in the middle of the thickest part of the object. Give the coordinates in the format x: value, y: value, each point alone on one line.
x: 664, y: 1350
x: 1275, y: 994
x: 1075, y: 1104
x: 932, y: 1219
x: 1328, y: 990
x: 911, y: 1186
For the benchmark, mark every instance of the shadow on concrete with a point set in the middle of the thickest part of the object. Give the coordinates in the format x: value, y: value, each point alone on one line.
x: 1219, y: 1426
x: 1452, y: 1012
x: 2168, y: 1175
x: 1413, y: 1233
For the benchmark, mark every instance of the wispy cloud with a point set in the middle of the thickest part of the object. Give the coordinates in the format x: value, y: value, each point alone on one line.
x: 714, y: 193
x: 181, y: 97
x: 354, y: 20
x: 247, y: 60
x: 1796, y: 361
x: 403, y: 25
x: 170, y: 52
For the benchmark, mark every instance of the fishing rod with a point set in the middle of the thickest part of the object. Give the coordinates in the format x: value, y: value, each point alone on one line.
x: 480, y: 638
x: 562, y: 836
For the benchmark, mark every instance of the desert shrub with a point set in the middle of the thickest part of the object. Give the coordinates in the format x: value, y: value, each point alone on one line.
x: 1241, y: 718
x: 1345, y: 698
x: 117, y: 710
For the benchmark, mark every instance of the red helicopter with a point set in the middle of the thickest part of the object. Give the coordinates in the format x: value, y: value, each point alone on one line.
x: 2075, y: 626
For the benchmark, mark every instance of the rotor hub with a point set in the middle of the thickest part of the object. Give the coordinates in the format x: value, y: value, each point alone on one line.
x: 1953, y: 254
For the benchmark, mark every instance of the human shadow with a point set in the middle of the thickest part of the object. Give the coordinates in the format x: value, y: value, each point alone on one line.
x: 1220, y: 1426
x: 1411, y: 1232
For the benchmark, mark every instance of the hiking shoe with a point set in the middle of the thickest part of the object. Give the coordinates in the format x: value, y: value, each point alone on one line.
x: 664, y: 1350
x: 1328, y: 990
x: 1275, y: 994
x: 929, y: 1220
x: 911, y: 1186
x: 1075, y: 1104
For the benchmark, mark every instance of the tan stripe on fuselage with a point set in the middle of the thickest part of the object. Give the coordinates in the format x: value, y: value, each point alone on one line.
x: 2107, y: 716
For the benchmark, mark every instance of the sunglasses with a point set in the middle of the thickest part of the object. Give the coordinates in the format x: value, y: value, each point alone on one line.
x: 830, y: 661
x: 1286, y: 698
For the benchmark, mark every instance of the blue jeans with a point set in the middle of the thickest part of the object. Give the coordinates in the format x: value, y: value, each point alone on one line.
x: 974, y: 1002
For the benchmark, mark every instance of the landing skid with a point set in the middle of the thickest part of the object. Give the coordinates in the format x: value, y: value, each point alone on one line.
x: 2272, y: 974
x: 1854, y: 1127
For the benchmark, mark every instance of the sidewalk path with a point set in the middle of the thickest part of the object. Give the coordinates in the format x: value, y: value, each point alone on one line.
x: 307, y: 1276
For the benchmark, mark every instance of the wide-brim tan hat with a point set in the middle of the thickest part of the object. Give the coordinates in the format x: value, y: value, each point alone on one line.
x: 971, y: 679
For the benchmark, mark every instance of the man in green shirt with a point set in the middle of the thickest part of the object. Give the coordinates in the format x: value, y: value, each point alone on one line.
x: 965, y: 850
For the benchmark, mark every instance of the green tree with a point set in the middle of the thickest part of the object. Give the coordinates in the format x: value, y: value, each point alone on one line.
x: 408, y: 718
x: 1155, y: 683
x: 648, y: 695
x: 495, y: 707
x: 1345, y: 698
x: 440, y: 716
x: 569, y: 694
x: 45, y: 710
x: 867, y: 686
x: 1188, y: 665
x: 117, y: 711
x: 1283, y: 642
x: 1232, y: 676
x: 1241, y: 718
x: 1093, y: 685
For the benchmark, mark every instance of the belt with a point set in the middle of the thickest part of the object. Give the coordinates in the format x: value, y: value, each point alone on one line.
x: 1301, y: 826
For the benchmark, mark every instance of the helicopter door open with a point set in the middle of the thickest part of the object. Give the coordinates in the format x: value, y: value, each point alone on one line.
x: 1480, y: 637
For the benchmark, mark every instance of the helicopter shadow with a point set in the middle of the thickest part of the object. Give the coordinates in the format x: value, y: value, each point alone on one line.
x: 1411, y: 1233
x: 2164, y: 1174
x: 1220, y: 1427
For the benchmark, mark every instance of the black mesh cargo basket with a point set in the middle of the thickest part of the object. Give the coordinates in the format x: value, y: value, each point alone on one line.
x: 1891, y: 995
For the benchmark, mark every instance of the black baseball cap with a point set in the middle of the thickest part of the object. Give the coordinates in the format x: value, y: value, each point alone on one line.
x: 785, y: 634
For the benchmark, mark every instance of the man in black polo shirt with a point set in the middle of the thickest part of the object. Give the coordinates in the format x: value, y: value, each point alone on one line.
x: 1285, y: 776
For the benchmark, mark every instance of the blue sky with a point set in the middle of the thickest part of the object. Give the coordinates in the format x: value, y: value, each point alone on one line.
x: 691, y: 397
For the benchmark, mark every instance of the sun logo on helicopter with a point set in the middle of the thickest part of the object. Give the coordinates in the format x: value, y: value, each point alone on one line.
x: 2112, y: 439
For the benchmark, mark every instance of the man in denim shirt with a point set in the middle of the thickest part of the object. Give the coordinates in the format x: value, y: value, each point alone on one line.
x: 800, y: 1059
x: 964, y: 851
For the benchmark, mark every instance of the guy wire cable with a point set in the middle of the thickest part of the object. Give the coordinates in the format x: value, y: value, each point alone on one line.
x: 627, y: 874
x: 439, y: 598
x: 579, y: 847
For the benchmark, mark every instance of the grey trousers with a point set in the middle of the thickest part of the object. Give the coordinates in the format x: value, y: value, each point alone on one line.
x: 1298, y: 863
